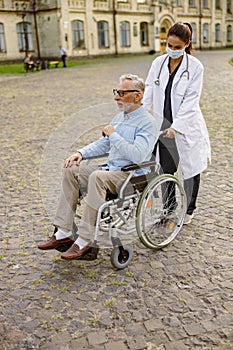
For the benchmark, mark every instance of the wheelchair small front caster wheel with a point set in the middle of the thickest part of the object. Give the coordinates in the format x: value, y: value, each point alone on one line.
x: 121, y: 256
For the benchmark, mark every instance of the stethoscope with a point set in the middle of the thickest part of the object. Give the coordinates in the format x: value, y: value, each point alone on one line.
x: 157, y: 80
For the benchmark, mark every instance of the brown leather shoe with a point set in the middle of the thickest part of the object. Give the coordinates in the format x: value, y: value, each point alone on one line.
x: 54, y: 243
x: 75, y: 252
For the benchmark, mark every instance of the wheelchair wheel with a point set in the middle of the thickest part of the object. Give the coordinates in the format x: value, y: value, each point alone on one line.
x: 121, y: 256
x: 160, y: 212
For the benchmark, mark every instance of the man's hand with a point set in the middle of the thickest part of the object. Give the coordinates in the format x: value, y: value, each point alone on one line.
x: 108, y: 130
x: 170, y: 133
x: 69, y: 161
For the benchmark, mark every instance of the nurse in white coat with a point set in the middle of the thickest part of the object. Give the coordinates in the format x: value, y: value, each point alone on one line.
x: 173, y: 88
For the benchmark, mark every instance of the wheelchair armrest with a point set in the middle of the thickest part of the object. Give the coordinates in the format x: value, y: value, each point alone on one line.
x: 139, y: 166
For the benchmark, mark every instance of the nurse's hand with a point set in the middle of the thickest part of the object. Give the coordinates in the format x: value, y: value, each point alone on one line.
x: 170, y: 134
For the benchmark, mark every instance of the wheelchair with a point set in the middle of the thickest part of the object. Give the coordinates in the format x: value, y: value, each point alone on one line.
x: 150, y: 206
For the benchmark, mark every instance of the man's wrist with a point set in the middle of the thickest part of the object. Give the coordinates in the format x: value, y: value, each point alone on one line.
x: 78, y: 152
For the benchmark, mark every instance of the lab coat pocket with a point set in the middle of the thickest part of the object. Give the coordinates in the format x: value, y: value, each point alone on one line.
x: 181, y: 86
x: 183, y: 143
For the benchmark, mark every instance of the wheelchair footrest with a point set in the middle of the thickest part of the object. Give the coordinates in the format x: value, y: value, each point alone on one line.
x: 64, y: 247
x: 91, y: 255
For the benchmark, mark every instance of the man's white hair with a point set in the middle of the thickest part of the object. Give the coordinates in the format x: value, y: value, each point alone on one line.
x: 137, y: 82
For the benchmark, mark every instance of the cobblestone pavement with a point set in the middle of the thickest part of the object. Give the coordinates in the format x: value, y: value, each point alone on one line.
x: 176, y: 299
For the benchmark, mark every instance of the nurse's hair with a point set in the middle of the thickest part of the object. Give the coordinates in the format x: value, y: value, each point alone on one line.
x: 184, y: 32
x: 138, y: 83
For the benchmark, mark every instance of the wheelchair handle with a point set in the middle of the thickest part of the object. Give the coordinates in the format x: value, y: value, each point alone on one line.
x: 163, y: 132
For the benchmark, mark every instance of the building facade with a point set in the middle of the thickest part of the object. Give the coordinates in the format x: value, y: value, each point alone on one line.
x: 108, y: 27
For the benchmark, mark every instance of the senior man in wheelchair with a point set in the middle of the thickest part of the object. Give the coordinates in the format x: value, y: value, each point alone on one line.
x: 129, y: 139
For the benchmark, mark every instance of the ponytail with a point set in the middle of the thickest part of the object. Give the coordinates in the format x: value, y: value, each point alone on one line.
x: 189, y: 49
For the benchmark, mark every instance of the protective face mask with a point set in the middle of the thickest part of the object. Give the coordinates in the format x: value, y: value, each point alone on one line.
x: 174, y: 53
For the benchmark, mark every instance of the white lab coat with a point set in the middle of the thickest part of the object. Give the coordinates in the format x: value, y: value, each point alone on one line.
x: 192, y: 138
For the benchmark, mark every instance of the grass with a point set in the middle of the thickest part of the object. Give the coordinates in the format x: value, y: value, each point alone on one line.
x: 12, y: 69
x: 18, y: 68
x: 74, y: 63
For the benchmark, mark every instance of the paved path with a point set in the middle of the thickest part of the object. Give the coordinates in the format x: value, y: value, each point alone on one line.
x: 177, y: 299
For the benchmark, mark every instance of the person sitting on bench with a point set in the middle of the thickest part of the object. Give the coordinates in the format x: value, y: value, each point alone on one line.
x: 129, y: 139
x: 30, y: 64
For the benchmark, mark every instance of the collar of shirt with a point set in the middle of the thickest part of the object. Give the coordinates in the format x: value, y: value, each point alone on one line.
x: 133, y: 113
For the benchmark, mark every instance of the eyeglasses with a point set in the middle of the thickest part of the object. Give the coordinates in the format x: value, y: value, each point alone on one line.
x: 121, y: 93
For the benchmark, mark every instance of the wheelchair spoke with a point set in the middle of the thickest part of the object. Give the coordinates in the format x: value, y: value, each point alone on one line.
x: 161, y: 212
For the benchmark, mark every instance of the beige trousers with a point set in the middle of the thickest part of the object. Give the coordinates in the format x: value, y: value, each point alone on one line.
x: 85, y: 178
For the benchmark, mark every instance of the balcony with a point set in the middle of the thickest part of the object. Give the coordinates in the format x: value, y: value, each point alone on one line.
x: 77, y: 4
x: 101, y: 5
x: 143, y: 8
x: 123, y: 6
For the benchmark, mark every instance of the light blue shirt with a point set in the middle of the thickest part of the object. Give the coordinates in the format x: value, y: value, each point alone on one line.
x: 62, y: 51
x: 132, y: 142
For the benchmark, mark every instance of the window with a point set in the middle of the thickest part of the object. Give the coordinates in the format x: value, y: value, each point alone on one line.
x: 205, y: 33
x: 194, y: 35
x: 178, y: 3
x: 217, y: 32
x: 77, y: 35
x: 124, y: 34
x: 103, y: 35
x: 229, y: 33
x: 217, y: 4
x: 2, y: 39
x: 205, y: 4
x: 135, y: 29
x: 144, y: 34
x: 229, y: 6
x: 191, y: 3
x: 24, y: 33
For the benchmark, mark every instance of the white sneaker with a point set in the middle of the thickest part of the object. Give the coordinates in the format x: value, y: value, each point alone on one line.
x: 188, y: 218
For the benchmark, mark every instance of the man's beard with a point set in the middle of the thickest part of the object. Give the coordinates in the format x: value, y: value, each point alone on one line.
x: 124, y: 106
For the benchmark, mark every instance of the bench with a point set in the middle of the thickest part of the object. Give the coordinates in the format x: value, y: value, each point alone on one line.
x: 53, y: 63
